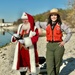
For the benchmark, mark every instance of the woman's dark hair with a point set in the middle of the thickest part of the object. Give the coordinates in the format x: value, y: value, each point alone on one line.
x: 58, y: 20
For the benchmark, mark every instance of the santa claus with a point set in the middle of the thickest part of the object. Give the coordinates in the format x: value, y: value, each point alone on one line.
x: 26, y: 55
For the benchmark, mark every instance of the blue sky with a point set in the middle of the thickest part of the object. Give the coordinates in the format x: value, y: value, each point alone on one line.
x: 11, y: 10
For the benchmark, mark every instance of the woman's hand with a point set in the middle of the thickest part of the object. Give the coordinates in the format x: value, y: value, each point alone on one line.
x: 40, y: 31
x: 61, y: 43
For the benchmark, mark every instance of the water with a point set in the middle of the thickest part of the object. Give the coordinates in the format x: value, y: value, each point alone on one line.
x: 5, y: 38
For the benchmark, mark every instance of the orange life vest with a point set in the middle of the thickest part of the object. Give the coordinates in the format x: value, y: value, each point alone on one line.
x: 54, y: 34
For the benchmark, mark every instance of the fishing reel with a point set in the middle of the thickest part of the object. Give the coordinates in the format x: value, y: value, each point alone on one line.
x: 17, y: 36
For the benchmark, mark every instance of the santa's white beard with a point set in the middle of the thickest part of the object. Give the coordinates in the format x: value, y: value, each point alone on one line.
x: 26, y: 26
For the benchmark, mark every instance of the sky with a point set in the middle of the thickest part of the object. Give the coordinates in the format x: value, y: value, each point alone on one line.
x: 11, y: 10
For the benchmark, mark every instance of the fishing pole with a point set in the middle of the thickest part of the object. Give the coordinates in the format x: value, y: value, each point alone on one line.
x: 17, y: 37
x: 6, y: 31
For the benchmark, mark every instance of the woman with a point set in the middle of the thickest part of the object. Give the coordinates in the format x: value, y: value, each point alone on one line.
x: 55, y: 43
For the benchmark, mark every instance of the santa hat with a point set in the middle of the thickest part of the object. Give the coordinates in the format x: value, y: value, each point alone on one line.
x: 30, y: 19
x: 24, y: 16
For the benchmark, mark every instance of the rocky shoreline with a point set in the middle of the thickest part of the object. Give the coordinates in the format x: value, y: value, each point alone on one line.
x: 67, y: 68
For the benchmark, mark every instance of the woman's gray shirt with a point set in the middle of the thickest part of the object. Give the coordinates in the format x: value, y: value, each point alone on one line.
x: 64, y: 28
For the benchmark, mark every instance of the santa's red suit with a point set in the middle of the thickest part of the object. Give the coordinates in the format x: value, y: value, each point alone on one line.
x: 26, y: 57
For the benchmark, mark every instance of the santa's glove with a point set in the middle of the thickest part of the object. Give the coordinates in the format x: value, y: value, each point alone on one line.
x: 21, y: 41
x: 16, y: 36
x: 32, y: 33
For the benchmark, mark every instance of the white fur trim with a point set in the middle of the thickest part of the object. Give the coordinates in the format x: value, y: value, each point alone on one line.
x: 24, y: 16
x: 32, y: 33
x: 18, y: 31
x: 27, y: 41
x: 15, y: 35
x: 21, y: 41
x: 12, y: 38
x: 14, y: 67
x: 32, y: 59
x: 22, y: 69
x: 37, y: 70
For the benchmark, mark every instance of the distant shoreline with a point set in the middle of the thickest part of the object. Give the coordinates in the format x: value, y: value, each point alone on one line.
x: 14, y: 27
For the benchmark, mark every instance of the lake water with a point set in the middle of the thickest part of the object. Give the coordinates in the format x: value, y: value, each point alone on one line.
x: 5, y: 38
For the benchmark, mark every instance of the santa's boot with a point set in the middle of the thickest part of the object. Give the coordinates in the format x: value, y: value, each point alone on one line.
x: 23, y: 73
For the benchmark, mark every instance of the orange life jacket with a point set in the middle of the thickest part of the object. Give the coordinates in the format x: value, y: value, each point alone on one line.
x: 54, y: 34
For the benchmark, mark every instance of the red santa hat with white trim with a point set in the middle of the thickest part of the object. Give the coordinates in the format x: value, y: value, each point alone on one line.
x: 30, y: 19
